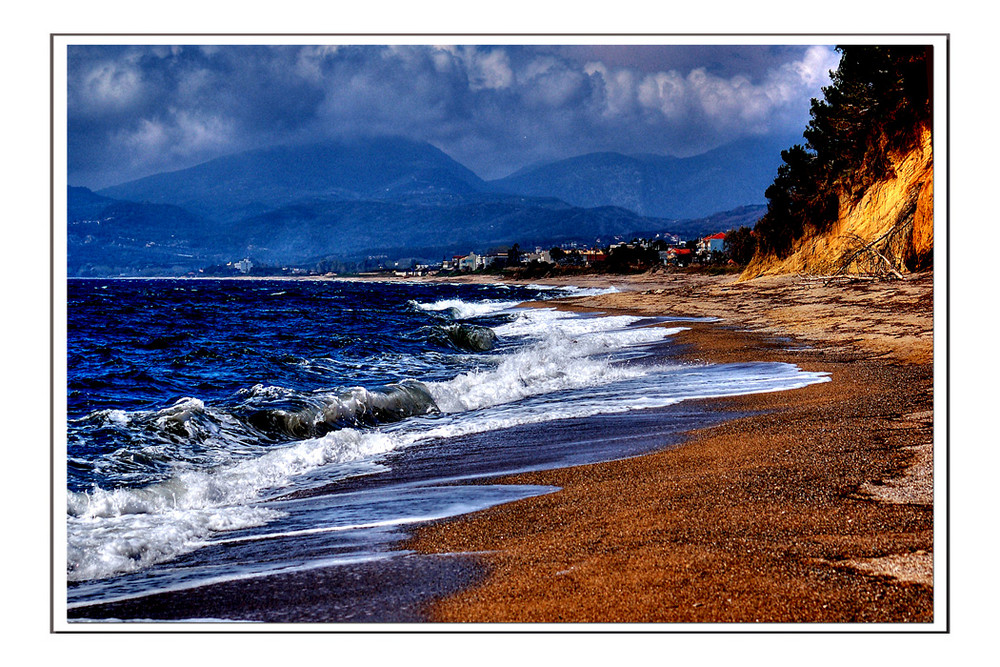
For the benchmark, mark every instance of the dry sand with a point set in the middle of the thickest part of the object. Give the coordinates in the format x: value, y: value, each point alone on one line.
x: 816, y: 508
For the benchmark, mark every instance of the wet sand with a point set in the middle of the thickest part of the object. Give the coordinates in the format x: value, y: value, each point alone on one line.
x: 815, y: 508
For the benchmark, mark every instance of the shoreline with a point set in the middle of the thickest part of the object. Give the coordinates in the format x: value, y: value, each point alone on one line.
x: 815, y: 508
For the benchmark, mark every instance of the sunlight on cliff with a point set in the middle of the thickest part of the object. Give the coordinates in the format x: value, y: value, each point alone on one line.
x: 889, y: 229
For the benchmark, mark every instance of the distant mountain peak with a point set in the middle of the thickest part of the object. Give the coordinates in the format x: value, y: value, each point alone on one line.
x: 262, y: 179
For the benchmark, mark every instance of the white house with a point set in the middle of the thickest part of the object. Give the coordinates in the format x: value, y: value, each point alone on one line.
x: 470, y: 262
x: 710, y: 244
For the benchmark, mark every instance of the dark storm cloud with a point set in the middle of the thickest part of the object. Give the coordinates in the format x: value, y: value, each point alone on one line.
x: 136, y: 110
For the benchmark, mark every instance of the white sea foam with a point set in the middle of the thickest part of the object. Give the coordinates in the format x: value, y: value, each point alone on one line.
x: 540, y: 323
x: 569, y: 366
x: 116, y: 531
x: 573, y: 356
x: 463, y: 310
x: 589, y: 291
x: 130, y: 542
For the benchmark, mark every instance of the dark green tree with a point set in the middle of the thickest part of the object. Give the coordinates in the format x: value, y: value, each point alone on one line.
x: 514, y: 255
x: 740, y: 245
x: 630, y: 258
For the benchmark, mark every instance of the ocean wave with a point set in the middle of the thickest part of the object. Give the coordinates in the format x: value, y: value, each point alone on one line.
x: 116, y: 531
x: 465, y: 310
x: 463, y: 336
x: 582, y: 354
x: 354, y: 407
x: 123, y: 529
x: 133, y: 542
x: 575, y: 291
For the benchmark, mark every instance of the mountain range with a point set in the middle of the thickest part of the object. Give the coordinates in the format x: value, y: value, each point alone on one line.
x: 658, y: 185
x: 299, y: 205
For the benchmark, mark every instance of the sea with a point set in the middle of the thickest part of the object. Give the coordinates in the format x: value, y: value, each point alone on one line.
x: 221, y: 432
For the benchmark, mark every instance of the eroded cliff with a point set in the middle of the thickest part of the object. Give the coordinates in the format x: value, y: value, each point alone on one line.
x: 888, y: 229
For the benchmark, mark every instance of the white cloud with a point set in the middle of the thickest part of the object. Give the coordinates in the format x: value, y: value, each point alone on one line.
x: 179, y: 134
x: 724, y: 102
x: 548, y: 82
x: 620, y: 88
x: 814, y: 69
x: 666, y: 92
x: 309, y: 62
x: 149, y: 136
x: 489, y: 70
x: 199, y: 133
x: 491, y: 107
x: 111, y: 84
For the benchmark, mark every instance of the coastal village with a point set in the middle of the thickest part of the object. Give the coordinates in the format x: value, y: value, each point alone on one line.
x: 669, y: 249
x: 639, y: 253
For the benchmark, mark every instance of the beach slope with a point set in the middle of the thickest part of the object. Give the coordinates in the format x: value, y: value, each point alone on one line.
x: 813, y: 505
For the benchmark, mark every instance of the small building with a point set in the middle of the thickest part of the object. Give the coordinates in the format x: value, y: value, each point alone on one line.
x: 470, y: 262
x: 713, y: 243
x: 452, y: 264
x: 539, y: 255
x: 676, y: 256
x: 244, y: 266
x: 494, y: 258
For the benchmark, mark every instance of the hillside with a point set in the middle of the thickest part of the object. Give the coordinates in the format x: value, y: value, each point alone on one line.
x: 116, y: 237
x: 347, y: 200
x: 858, y: 197
x: 111, y: 237
x: 895, y: 214
x: 307, y: 231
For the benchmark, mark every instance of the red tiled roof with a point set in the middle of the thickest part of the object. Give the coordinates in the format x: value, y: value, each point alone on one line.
x: 720, y: 235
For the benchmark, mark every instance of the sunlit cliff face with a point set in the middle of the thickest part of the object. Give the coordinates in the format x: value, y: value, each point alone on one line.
x: 899, y: 208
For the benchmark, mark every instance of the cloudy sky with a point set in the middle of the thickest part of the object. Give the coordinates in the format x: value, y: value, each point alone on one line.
x: 138, y: 110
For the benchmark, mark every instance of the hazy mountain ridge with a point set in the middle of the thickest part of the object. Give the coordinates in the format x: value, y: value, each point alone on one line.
x: 307, y: 230
x: 84, y: 204
x: 237, y: 186
x: 657, y: 185
x: 741, y: 216
x: 108, y: 236
x: 293, y: 204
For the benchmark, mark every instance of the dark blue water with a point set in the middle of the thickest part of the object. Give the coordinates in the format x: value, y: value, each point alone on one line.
x: 143, y: 345
x: 220, y: 430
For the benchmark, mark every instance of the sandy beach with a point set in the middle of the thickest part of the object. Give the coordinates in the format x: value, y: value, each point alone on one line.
x: 812, y: 505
